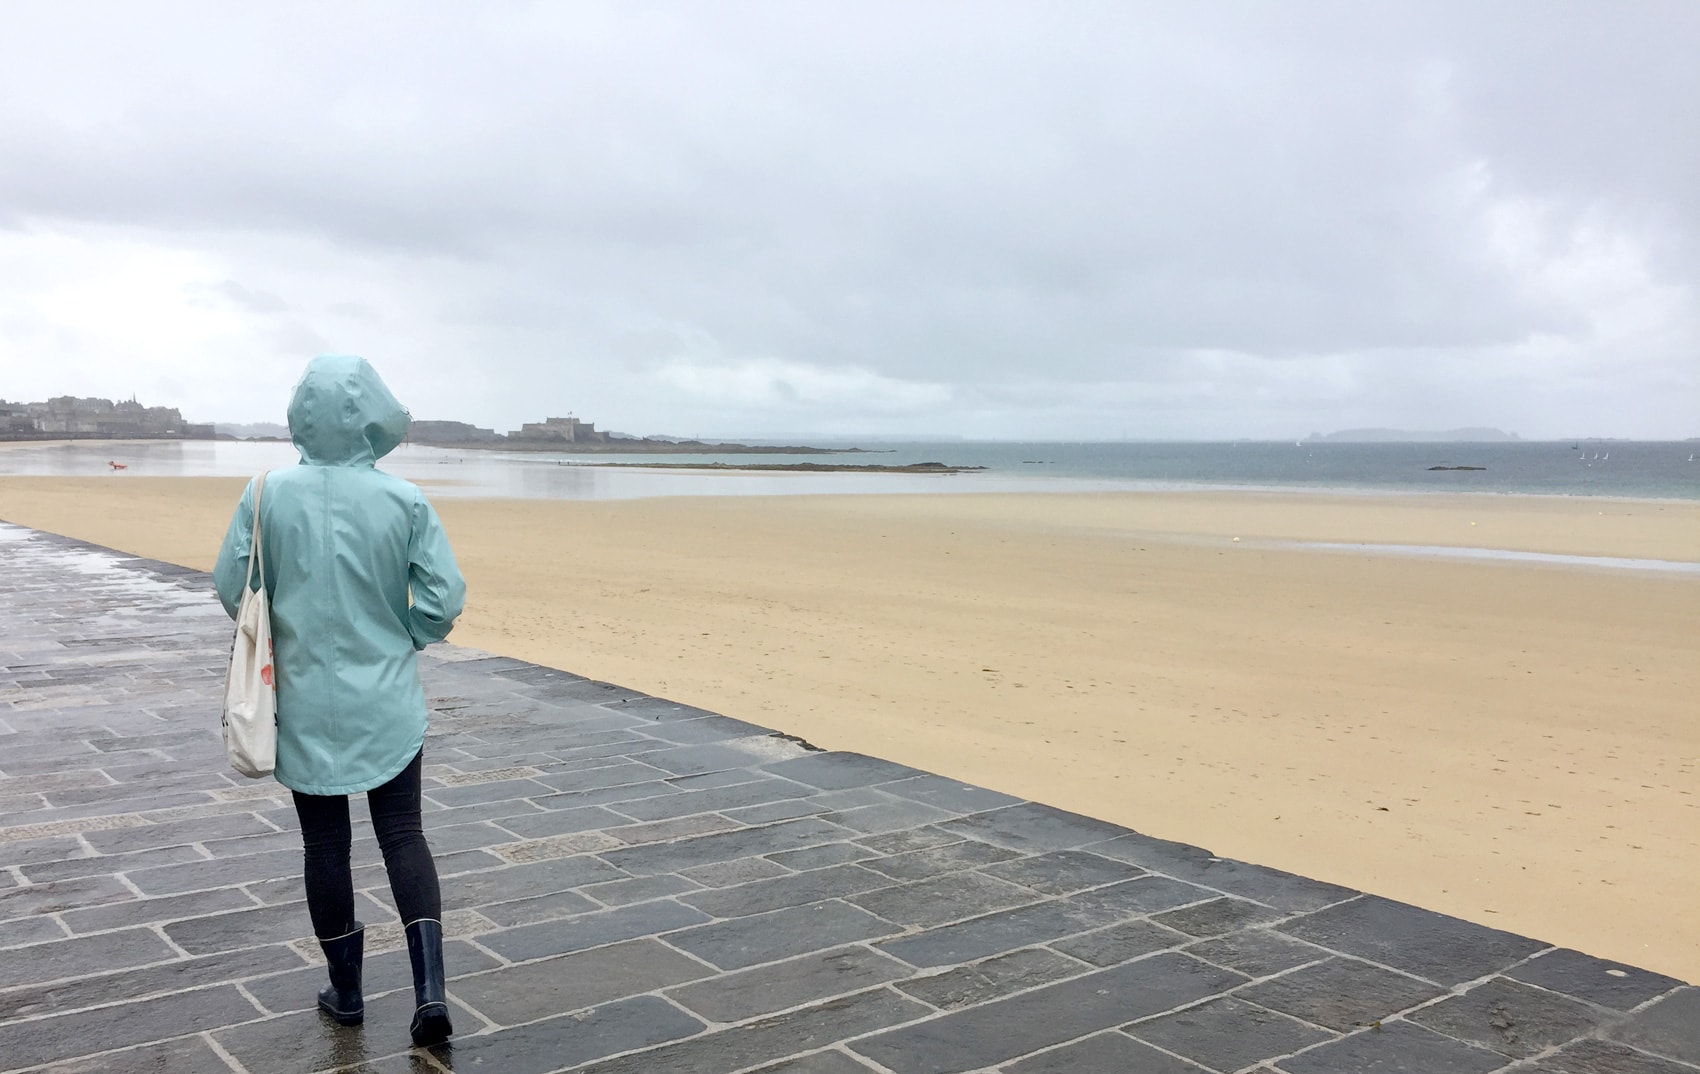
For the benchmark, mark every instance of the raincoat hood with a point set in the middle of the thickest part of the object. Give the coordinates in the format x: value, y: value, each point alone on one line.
x: 343, y: 415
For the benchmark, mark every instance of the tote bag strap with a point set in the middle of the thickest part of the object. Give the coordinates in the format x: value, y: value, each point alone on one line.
x: 254, y: 540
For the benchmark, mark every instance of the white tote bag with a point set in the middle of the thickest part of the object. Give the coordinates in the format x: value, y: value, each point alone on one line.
x: 250, y: 698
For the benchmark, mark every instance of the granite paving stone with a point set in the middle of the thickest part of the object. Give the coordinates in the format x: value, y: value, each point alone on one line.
x: 1218, y: 916
x: 555, y: 904
x: 1228, y: 1034
x: 639, y: 889
x: 1601, y: 1057
x: 1272, y: 887
x: 624, y: 774
x: 702, y: 730
x: 1257, y: 952
x: 754, y: 792
x: 887, y: 816
x: 635, y: 885
x: 1033, y: 828
x: 556, y: 822
x: 145, y: 911
x: 1341, y: 993
x: 185, y: 1055
x: 29, y: 930
x: 96, y: 865
x: 583, y: 931
x: 1142, y: 894
x: 66, y: 1036
x: 921, y: 864
x: 903, y: 842
x: 510, y: 882
x: 51, y: 848
x: 572, y: 982
x: 217, y: 873
x: 251, y: 844
x: 667, y: 831
x: 305, y: 1042
x: 695, y: 760
x: 951, y: 897
x: 1004, y: 1029
x: 1063, y: 872
x: 838, y: 771
x: 722, y: 846
x: 775, y: 811
x: 1668, y: 1027
x: 1609, y: 984
x: 82, y: 955
x: 704, y: 781
x: 818, y: 1063
x: 241, y: 928
x: 496, y: 811
x: 1119, y: 943
x: 1394, y: 1048
x: 1105, y: 1052
x: 1516, y: 1019
x: 738, y: 996
x: 949, y: 794
x: 779, y: 892
x: 481, y: 835
x: 964, y: 986
x: 820, y: 857
x: 568, y: 1042
x: 122, y: 985
x: 721, y: 874
x: 658, y: 709
x: 779, y: 934
x: 793, y: 1033
x: 502, y: 790
x: 61, y: 895
x: 1422, y: 942
x: 995, y: 933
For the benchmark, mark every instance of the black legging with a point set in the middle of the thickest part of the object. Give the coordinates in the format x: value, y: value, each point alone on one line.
x: 326, y: 838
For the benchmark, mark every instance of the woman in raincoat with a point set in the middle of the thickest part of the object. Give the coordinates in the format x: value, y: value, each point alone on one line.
x: 360, y: 577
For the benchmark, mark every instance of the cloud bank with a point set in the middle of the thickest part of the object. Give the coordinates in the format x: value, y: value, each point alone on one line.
x: 1011, y: 220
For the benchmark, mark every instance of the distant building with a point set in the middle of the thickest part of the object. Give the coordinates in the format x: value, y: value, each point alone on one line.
x: 568, y: 430
x: 15, y: 420
x: 68, y: 417
x: 450, y: 432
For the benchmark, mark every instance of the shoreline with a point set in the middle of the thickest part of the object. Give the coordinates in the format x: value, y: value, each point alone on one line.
x: 1507, y: 742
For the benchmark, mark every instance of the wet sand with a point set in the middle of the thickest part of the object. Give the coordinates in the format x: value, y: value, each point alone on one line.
x: 1514, y: 743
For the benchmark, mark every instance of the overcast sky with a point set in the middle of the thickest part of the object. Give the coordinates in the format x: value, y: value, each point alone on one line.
x: 1047, y: 220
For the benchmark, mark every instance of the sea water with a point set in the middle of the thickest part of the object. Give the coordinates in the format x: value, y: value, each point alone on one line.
x: 1631, y: 469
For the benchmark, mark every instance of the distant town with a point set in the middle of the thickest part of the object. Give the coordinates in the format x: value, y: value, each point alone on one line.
x: 583, y: 437
x: 68, y: 417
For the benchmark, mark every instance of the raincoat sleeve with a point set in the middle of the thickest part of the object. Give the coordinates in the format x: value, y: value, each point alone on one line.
x: 230, y: 572
x: 439, y: 591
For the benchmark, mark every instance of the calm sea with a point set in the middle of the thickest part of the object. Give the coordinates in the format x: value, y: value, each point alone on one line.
x: 1635, y: 469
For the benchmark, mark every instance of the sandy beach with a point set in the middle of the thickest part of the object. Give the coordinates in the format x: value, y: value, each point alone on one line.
x: 1516, y: 743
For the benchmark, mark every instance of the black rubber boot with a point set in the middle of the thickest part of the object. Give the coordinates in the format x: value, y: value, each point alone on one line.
x: 430, y: 998
x: 341, y: 998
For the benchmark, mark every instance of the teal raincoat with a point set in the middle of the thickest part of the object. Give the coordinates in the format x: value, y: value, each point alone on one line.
x: 343, y: 545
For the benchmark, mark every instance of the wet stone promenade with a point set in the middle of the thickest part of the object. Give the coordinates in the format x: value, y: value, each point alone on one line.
x: 635, y: 886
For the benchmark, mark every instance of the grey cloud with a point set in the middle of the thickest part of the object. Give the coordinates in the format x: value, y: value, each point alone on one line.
x: 969, y: 194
